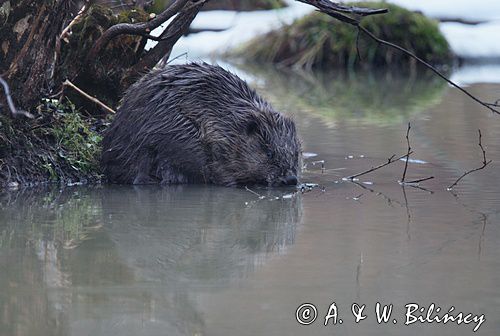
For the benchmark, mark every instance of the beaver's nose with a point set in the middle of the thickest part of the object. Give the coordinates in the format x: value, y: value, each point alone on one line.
x: 290, y: 180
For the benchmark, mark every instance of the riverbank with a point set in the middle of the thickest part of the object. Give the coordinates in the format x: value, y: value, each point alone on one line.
x: 60, y: 145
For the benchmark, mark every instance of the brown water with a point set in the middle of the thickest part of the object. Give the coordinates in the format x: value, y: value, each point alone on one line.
x: 195, y: 260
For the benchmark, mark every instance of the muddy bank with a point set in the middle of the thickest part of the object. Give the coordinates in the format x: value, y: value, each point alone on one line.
x: 59, y: 145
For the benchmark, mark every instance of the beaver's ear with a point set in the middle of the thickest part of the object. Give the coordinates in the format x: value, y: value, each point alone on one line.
x: 251, y: 127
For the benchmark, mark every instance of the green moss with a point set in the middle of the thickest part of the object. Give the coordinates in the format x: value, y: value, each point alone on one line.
x: 76, y: 142
x: 131, y: 16
x: 317, y: 41
x: 60, y: 144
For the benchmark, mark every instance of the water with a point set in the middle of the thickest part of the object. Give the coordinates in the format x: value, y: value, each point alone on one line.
x: 201, y: 260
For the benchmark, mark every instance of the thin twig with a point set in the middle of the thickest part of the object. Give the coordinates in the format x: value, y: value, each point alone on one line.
x: 485, y: 163
x: 389, y: 161
x: 66, y: 31
x: 490, y: 106
x: 408, y: 213
x: 416, y: 186
x: 419, y: 180
x: 378, y: 193
x: 89, y: 97
x: 357, y: 198
x: 409, y: 150
x: 342, y: 13
x: 13, y: 110
x: 255, y: 193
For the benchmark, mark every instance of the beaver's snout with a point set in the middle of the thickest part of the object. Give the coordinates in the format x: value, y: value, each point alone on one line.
x: 289, y: 180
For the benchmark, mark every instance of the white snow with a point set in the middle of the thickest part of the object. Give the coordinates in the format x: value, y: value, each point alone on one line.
x: 242, y: 27
x: 477, y: 41
x: 465, y: 9
x: 479, y: 73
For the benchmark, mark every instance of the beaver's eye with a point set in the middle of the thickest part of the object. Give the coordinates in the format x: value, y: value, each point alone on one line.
x: 269, y: 154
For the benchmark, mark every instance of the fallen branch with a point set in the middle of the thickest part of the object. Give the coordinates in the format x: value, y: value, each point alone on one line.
x: 389, y: 161
x: 485, y: 163
x: 89, y: 97
x: 13, y: 110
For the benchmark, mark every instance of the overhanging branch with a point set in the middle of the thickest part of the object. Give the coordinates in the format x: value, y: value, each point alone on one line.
x: 340, y: 12
x: 135, y: 28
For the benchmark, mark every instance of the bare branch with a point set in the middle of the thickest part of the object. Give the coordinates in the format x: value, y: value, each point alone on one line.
x: 378, y: 193
x: 419, y: 180
x: 485, y: 163
x: 255, y: 193
x: 416, y: 186
x: 403, y: 181
x: 339, y: 12
x: 14, y: 112
x: 89, y: 97
x: 135, y: 28
x: 335, y: 9
x: 65, y: 33
x: 168, y: 38
x: 409, y: 150
x: 389, y: 161
x: 188, y: 32
x: 489, y: 106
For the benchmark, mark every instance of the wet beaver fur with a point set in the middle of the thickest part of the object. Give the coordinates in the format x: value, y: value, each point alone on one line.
x: 198, y: 123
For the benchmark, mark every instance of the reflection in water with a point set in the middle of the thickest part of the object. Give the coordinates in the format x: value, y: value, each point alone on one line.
x: 192, y: 260
x: 384, y: 97
x: 134, y: 256
x: 196, y: 234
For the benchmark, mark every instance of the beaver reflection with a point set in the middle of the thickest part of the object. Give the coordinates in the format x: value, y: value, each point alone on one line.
x: 196, y: 233
x: 139, y: 259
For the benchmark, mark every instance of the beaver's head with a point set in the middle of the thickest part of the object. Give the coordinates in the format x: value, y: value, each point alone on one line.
x: 263, y: 148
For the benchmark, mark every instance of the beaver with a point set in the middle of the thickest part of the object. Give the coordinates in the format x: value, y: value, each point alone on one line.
x: 198, y: 123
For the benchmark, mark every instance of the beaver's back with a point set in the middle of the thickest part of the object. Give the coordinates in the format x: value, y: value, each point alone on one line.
x: 188, y: 115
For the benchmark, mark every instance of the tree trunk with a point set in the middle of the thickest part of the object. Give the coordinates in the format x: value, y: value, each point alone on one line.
x: 29, y: 33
